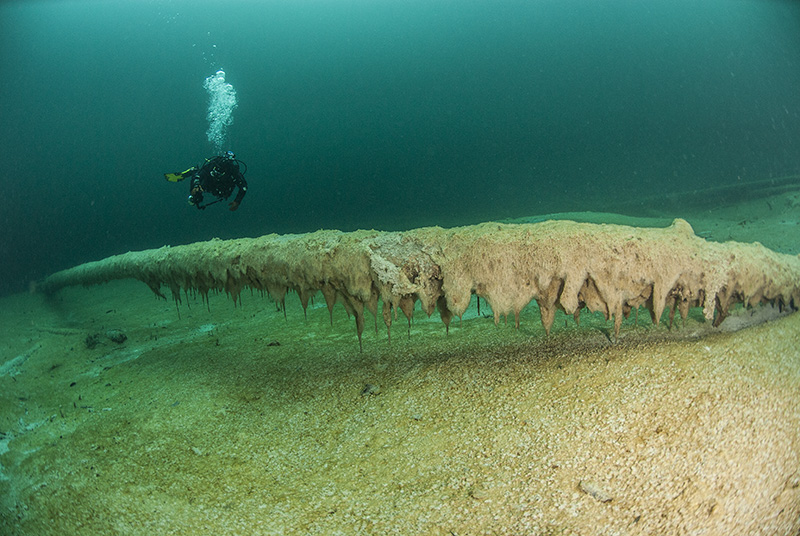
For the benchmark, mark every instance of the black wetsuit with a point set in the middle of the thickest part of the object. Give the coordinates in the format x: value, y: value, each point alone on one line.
x: 218, y: 176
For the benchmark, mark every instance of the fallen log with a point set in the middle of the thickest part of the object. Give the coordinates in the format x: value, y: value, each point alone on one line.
x: 564, y: 265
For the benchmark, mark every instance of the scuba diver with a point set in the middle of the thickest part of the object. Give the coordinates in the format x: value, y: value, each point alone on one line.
x: 218, y: 176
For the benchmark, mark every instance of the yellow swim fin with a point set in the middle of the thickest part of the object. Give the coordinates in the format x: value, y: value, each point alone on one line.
x: 178, y: 177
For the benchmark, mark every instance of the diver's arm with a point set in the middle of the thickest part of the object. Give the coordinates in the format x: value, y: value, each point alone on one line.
x: 195, y: 192
x: 242, y: 184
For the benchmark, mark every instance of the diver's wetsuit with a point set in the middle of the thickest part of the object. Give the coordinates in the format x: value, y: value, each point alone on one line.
x: 218, y: 176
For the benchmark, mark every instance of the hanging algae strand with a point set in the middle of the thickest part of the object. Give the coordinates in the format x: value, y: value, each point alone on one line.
x: 221, y: 103
x: 562, y: 265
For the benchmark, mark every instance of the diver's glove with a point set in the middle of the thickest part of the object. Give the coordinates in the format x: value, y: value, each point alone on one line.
x: 233, y: 205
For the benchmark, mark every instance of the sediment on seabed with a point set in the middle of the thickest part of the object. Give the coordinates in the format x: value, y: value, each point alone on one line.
x: 564, y: 265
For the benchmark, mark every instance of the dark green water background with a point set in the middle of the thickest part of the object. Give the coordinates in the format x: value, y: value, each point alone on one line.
x: 377, y: 114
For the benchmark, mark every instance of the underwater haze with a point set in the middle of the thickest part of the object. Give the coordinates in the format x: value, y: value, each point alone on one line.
x: 376, y: 114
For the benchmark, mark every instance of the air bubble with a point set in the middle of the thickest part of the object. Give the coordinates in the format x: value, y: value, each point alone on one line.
x: 221, y: 103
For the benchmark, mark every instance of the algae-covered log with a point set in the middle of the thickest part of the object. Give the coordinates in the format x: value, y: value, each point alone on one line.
x: 560, y: 264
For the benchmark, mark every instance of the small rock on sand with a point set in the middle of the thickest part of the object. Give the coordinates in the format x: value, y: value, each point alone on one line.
x: 593, y: 489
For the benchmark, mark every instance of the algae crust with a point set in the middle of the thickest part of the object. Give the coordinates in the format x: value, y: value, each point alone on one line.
x: 562, y: 265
